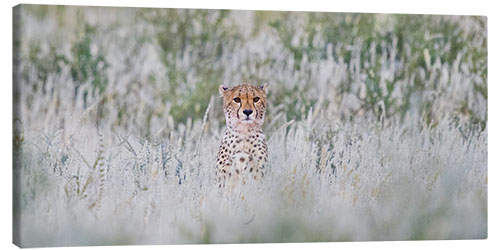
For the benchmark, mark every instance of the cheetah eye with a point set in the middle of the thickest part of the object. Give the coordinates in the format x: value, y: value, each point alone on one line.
x: 256, y: 99
x: 237, y: 100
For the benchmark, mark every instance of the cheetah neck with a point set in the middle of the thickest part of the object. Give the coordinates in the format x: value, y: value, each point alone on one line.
x: 245, y: 129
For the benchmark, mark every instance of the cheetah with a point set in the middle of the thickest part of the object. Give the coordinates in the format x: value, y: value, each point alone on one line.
x: 243, y: 150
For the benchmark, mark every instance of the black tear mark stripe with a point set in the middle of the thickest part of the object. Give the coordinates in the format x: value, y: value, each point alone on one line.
x: 239, y: 107
x: 256, y: 111
x: 238, y: 111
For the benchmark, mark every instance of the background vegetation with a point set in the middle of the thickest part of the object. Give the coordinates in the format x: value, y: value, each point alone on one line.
x: 377, y: 125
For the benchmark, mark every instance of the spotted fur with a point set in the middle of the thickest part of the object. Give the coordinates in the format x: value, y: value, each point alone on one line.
x: 243, y: 150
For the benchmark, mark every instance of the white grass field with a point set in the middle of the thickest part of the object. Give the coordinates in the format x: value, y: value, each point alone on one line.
x: 376, y: 126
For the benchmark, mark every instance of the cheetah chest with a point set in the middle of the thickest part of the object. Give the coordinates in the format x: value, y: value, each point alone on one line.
x: 241, y: 154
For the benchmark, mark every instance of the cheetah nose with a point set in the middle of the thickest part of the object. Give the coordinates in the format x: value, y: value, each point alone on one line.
x: 247, y: 112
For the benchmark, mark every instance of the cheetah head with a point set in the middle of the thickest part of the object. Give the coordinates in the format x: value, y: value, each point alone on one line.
x: 244, y: 105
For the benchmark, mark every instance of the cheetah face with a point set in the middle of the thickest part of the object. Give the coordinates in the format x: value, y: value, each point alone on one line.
x: 244, y: 105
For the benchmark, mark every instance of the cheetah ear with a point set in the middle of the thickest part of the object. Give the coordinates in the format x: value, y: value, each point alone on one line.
x: 222, y: 89
x: 264, y: 87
